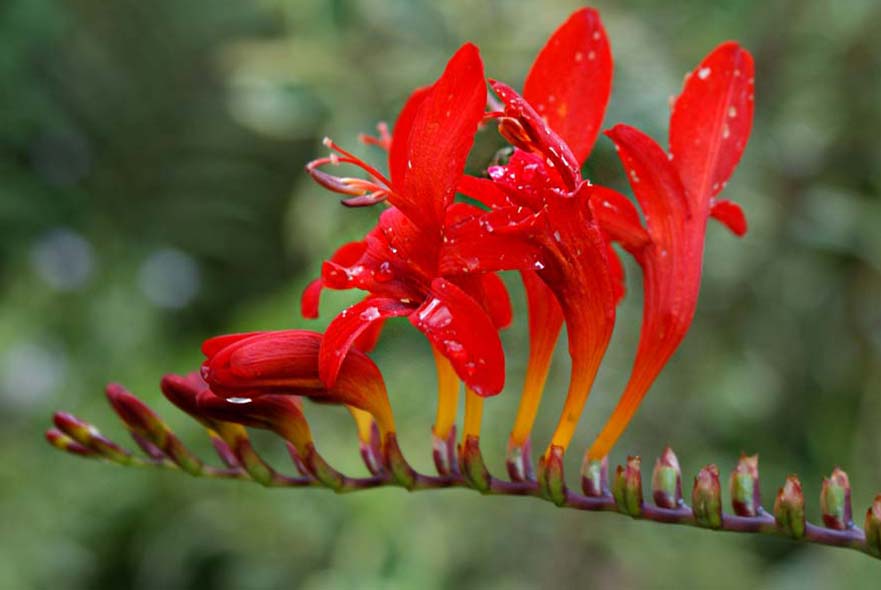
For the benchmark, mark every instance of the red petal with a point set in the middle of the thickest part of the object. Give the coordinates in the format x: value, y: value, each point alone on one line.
x: 496, y: 300
x: 655, y: 183
x: 545, y: 322
x: 616, y: 269
x: 368, y: 339
x: 310, y: 299
x: 345, y: 328
x: 461, y: 330
x: 730, y: 215
x: 497, y: 240
x: 571, y: 80
x: 618, y: 218
x: 213, y: 345
x: 401, y: 135
x: 711, y: 122
x: 440, y: 138
x: 483, y: 190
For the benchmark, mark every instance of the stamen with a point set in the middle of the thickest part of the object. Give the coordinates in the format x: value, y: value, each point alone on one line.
x: 383, y: 141
x: 352, y: 159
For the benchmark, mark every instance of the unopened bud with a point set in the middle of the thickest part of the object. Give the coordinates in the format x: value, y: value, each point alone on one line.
x: 667, y: 480
x: 873, y: 526
x: 551, y: 478
x: 145, y: 424
x: 62, y: 442
x: 88, y: 436
x: 706, y: 498
x: 744, y: 486
x: 627, y: 487
x: 595, y: 477
x: 835, y: 501
x: 789, y: 508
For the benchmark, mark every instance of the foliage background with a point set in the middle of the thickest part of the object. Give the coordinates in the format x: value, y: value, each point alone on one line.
x: 151, y: 194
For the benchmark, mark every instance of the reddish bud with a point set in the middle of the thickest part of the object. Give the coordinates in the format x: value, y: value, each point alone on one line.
x: 627, y: 487
x: 789, y: 508
x: 835, y: 501
x: 62, y: 442
x: 706, y: 498
x: 551, y: 479
x: 88, y: 436
x: 744, y: 486
x: 667, y: 481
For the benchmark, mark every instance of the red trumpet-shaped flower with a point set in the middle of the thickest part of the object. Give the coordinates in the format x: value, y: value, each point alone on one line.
x: 398, y: 262
x: 709, y: 129
x: 569, y: 85
x: 243, y: 367
x: 548, y: 220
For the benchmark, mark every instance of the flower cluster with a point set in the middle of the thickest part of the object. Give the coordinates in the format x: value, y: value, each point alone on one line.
x: 434, y: 257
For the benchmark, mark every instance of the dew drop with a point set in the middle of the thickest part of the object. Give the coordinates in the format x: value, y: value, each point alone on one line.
x: 239, y: 400
x: 704, y: 73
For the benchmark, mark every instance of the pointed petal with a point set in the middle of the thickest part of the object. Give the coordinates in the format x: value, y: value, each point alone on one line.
x: 213, y: 345
x: 344, y: 330
x: 730, y: 215
x: 655, y: 182
x: 571, y: 80
x: 497, y: 240
x: 496, y: 300
x: 346, y: 255
x: 711, y: 122
x: 618, y: 218
x: 483, y: 190
x: 462, y: 331
x: 440, y: 138
x: 401, y: 135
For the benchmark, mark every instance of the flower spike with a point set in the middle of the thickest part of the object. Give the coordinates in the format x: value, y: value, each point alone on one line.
x: 435, y: 260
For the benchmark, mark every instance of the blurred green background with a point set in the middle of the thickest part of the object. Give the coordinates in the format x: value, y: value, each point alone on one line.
x: 152, y: 194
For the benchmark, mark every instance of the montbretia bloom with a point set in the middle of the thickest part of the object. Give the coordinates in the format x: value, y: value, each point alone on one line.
x: 677, y: 191
x: 398, y: 263
x: 569, y: 85
x: 547, y: 219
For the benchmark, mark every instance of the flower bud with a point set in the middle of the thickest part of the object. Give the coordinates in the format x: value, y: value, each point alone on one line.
x: 62, y: 442
x: 551, y: 479
x: 873, y: 526
x: 472, y: 464
x: 706, y: 498
x: 667, y: 481
x: 835, y: 501
x: 595, y: 477
x: 789, y: 508
x: 147, y: 427
x: 88, y: 436
x: 744, y: 486
x: 627, y: 487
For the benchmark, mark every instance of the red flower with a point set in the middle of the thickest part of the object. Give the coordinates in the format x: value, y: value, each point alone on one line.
x: 709, y: 129
x: 398, y: 262
x: 243, y: 367
x: 547, y: 218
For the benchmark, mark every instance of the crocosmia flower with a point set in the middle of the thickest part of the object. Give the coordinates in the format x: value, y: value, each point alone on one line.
x: 436, y: 261
x: 678, y: 191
